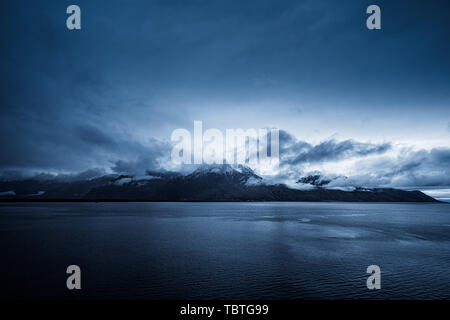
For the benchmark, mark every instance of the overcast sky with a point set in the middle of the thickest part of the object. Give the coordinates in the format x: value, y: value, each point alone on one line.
x: 109, y: 96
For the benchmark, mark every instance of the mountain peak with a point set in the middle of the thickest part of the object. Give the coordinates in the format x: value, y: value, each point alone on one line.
x: 214, y: 168
x: 318, y: 180
x: 240, y: 174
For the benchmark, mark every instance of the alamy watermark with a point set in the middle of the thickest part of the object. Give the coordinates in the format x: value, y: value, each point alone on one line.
x: 374, y: 280
x: 237, y: 146
x: 74, y: 280
x: 73, y: 22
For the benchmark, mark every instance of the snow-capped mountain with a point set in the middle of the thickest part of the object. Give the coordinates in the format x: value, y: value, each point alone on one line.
x: 240, y: 174
x: 205, y: 183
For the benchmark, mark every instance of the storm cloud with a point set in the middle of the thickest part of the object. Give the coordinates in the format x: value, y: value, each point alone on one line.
x: 425, y: 168
x: 293, y: 152
x: 351, y: 163
x: 106, y: 98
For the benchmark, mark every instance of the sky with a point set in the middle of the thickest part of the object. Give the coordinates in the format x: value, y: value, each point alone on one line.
x: 370, y: 105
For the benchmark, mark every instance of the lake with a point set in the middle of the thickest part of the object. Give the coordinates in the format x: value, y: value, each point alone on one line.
x: 225, y: 250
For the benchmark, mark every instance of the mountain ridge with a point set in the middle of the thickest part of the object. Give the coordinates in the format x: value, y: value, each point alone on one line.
x: 206, y: 183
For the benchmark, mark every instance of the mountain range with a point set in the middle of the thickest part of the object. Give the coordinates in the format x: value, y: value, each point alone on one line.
x: 206, y: 183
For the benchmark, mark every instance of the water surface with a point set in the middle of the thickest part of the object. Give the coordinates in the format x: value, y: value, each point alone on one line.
x: 225, y: 250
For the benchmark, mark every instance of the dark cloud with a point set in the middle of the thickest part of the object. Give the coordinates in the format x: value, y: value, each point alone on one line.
x: 333, y: 150
x: 89, y: 174
x: 12, y: 175
x: 424, y: 168
x: 294, y: 152
x: 420, y: 168
x: 71, y: 101
x: 154, y: 156
x: 409, y: 169
x: 94, y: 136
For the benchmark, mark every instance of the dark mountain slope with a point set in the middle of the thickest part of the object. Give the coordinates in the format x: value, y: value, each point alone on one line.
x: 207, y: 183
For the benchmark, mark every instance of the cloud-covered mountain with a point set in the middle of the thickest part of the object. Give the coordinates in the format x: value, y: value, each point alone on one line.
x: 342, y: 165
x: 206, y: 183
x: 78, y: 100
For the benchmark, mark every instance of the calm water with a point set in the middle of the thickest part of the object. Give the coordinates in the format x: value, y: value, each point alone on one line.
x: 225, y: 250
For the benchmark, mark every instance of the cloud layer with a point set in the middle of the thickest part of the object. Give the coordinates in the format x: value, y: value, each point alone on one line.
x: 106, y: 99
x: 347, y: 163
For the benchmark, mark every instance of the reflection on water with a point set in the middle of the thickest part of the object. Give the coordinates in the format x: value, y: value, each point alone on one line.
x: 225, y: 250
